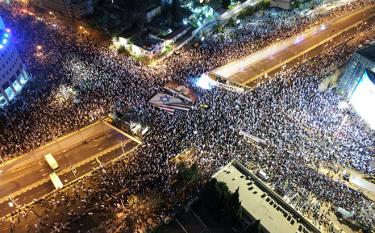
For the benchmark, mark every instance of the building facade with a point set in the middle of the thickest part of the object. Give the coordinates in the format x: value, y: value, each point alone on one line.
x: 362, y: 60
x: 12, y: 72
x: 74, y: 9
x: 260, y: 202
x: 357, y: 84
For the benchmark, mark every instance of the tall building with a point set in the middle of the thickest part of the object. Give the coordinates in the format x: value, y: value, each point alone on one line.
x: 357, y: 84
x: 362, y: 60
x: 12, y: 71
x: 74, y: 9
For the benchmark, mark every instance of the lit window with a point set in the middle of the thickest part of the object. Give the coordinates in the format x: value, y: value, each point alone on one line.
x: 362, y: 98
x: 17, y: 86
x: 2, y: 100
x: 10, y: 93
x: 23, y: 78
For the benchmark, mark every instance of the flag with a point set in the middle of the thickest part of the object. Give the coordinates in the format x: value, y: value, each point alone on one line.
x: 169, y: 103
x: 182, y: 91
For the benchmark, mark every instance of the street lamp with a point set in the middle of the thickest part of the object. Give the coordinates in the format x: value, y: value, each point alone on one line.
x: 74, y: 171
x: 341, y: 126
x: 12, y: 202
x: 99, y: 162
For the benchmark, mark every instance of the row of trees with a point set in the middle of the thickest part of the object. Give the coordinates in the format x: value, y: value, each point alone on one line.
x: 173, y: 13
x: 187, y: 177
x: 224, y: 205
x: 251, y: 10
x: 217, y: 198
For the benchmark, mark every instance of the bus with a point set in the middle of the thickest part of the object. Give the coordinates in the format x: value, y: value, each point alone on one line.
x: 264, y: 176
x: 51, y: 162
x: 56, y: 180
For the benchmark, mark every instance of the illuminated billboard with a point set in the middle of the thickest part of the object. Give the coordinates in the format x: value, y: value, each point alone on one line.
x: 363, y: 98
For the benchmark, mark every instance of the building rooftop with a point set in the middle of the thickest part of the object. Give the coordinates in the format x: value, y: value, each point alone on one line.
x: 132, y: 32
x: 262, y: 203
x: 368, y: 53
x: 146, y: 42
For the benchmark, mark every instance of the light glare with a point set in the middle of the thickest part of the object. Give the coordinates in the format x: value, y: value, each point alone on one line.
x: 205, y: 82
x: 363, y: 100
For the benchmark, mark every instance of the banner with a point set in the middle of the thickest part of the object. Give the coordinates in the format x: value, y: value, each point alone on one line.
x: 230, y: 87
x: 252, y: 137
x: 169, y: 103
x: 182, y: 91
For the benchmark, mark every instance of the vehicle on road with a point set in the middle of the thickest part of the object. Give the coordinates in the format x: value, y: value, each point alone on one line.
x: 52, y: 162
x: 56, y: 180
x: 263, y: 175
x: 346, y: 175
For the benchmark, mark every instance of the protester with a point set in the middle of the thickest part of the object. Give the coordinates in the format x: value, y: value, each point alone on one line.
x: 78, y: 81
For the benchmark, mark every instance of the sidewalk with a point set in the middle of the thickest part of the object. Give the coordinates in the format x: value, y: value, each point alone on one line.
x: 355, y: 180
x: 262, y: 62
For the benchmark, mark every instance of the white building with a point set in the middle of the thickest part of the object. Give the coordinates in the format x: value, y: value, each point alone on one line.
x: 12, y: 71
x: 144, y: 45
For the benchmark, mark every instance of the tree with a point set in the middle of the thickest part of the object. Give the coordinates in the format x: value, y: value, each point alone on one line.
x: 254, y: 227
x: 296, y: 4
x: 223, y: 204
x: 209, y: 197
x: 187, y: 176
x: 138, y: 210
x: 265, y: 4
x: 225, y: 3
x: 121, y: 49
x: 219, y: 28
x: 233, y: 208
x: 231, y: 22
x: 136, y: 9
x: 176, y: 13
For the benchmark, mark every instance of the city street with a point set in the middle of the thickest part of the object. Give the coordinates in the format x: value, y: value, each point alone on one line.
x: 306, y: 45
x: 285, y: 127
x: 27, y: 178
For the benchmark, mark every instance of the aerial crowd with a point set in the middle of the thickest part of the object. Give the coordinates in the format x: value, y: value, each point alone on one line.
x: 77, y: 81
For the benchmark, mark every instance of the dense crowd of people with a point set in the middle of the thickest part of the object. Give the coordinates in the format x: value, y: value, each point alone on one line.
x: 77, y: 81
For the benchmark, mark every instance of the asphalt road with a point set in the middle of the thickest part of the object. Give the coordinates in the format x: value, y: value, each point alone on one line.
x: 47, y: 187
x: 27, y: 178
x: 291, y: 51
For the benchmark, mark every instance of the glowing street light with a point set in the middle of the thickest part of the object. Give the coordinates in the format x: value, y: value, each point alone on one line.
x: 298, y: 39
